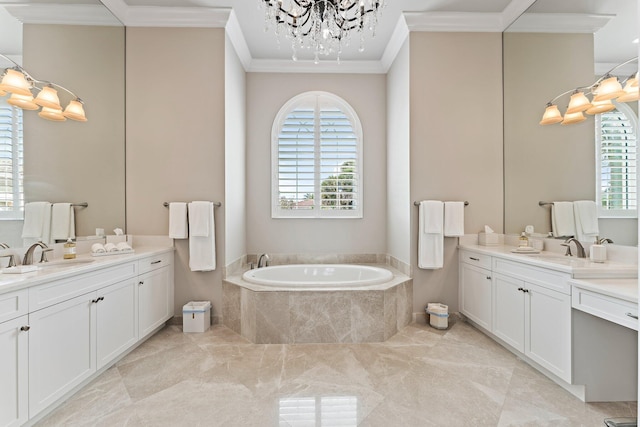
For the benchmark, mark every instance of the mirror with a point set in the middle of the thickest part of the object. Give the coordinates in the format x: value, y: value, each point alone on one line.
x: 544, y: 56
x: 72, y: 161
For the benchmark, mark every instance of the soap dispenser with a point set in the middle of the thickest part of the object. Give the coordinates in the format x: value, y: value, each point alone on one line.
x: 523, y: 241
x: 69, y: 250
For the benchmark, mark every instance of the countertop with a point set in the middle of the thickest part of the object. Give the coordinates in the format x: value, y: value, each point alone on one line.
x: 579, y: 268
x: 84, y: 263
x: 624, y: 289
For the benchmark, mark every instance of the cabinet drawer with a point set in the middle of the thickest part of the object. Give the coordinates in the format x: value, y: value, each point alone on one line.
x: 606, y: 307
x: 540, y: 276
x: 64, y: 289
x: 14, y: 304
x: 154, y: 262
x: 475, y: 258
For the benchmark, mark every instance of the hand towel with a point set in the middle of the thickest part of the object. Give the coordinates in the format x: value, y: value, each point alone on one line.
x: 110, y: 247
x: 98, y: 248
x: 178, y: 228
x: 63, y: 225
x: 123, y: 246
x: 453, y: 219
x: 430, y: 235
x: 202, y: 247
x: 562, y: 219
x: 37, y: 223
x: 586, y: 218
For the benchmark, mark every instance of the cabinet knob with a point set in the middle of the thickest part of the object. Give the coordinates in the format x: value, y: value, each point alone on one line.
x: 475, y: 259
x: 25, y: 328
x: 488, y: 277
x: 140, y: 283
x: 95, y: 301
x: 521, y: 289
x: 156, y: 262
x: 634, y: 316
x: 525, y: 290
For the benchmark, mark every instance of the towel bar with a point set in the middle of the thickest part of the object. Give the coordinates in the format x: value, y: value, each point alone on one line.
x: 80, y: 205
x: 418, y: 203
x: 545, y: 203
x: 216, y: 204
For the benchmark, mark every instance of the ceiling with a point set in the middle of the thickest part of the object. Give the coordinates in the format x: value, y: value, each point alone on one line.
x: 261, y: 49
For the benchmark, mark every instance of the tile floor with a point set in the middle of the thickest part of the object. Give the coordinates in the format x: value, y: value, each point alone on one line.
x: 420, y: 377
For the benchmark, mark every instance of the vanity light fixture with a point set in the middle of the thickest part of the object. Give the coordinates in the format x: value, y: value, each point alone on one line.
x: 22, y: 86
x: 604, y: 91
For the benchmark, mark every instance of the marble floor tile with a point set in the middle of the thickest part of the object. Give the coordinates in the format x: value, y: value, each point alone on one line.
x: 420, y: 377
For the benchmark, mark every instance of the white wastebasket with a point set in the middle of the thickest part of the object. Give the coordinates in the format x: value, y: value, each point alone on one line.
x: 196, y: 316
x: 438, y: 315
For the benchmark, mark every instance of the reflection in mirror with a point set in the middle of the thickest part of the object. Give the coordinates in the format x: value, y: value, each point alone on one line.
x: 81, y: 47
x: 546, y: 54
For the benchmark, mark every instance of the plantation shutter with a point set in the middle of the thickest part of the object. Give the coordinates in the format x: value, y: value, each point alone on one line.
x: 618, y: 171
x: 11, y: 162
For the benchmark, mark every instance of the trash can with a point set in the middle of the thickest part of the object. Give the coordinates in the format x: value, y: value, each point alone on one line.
x: 621, y: 422
x: 196, y: 316
x: 438, y: 315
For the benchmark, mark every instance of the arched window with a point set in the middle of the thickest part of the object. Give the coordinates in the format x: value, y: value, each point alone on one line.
x: 616, y: 155
x: 316, y: 153
x: 11, y: 157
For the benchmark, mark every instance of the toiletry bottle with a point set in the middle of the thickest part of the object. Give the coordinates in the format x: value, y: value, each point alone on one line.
x: 523, y: 241
x: 69, y: 249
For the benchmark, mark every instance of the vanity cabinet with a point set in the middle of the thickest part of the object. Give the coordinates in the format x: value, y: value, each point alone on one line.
x: 14, y: 358
x: 475, y: 288
x: 116, y: 321
x: 155, y: 293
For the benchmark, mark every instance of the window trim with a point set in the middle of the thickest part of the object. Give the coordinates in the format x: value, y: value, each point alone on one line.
x: 614, y: 213
x: 317, y: 212
x: 17, y: 213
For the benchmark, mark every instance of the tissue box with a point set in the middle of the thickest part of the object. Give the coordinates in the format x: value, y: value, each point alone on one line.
x: 489, y: 239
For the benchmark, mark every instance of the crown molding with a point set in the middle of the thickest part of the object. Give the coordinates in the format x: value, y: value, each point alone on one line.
x: 67, y: 14
x: 454, y: 21
x: 398, y: 37
x: 513, y: 11
x: 156, y: 16
x: 234, y: 32
x: 560, y: 23
x: 300, y: 66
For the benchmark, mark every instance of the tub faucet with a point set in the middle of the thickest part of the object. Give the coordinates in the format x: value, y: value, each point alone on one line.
x: 579, y: 247
x: 266, y: 260
x: 28, y: 256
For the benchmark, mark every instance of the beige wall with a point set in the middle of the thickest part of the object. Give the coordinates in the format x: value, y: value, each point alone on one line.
x: 399, y: 204
x: 176, y: 139
x: 73, y: 161
x: 266, y: 94
x: 456, y: 142
x: 544, y: 163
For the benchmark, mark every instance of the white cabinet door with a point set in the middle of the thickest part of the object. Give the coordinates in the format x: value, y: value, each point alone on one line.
x: 508, y: 310
x: 62, y: 349
x: 475, y: 294
x: 155, y: 296
x: 117, y: 320
x: 14, y: 372
x: 549, y: 330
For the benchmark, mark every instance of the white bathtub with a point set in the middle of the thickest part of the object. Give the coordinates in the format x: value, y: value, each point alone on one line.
x: 318, y: 275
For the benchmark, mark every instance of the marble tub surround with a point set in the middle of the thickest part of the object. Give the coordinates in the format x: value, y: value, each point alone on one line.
x: 420, y: 377
x: 271, y: 315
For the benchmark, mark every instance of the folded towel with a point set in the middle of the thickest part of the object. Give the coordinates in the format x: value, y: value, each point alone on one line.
x: 98, y: 248
x: 202, y: 247
x: 430, y: 235
x: 454, y: 219
x: 123, y: 246
x: 562, y: 219
x: 37, y: 222
x: 63, y: 225
x: 178, y: 228
x: 110, y: 247
x: 586, y: 218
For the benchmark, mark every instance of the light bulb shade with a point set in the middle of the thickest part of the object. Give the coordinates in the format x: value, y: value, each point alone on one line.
x: 608, y: 89
x: 52, y: 114
x: 634, y: 83
x: 630, y: 92
x: 579, y: 102
x: 571, y: 118
x: 75, y: 111
x: 551, y: 115
x: 2, y: 93
x: 23, y: 101
x: 48, y: 97
x: 14, y: 81
x: 601, y: 107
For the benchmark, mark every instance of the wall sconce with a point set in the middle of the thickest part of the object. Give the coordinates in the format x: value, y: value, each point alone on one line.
x: 603, y: 91
x: 22, y: 86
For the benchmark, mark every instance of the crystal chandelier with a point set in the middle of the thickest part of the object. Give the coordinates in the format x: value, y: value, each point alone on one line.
x: 324, y: 26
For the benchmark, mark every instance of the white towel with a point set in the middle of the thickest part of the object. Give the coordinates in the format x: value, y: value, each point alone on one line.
x: 202, y: 248
x: 430, y: 235
x: 123, y: 246
x: 63, y: 223
x: 178, y: 228
x: 37, y: 223
x: 586, y: 218
x: 98, y: 248
x: 453, y: 219
x: 110, y: 247
x: 562, y: 219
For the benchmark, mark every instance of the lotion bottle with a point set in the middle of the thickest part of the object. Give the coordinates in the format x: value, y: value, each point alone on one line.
x: 69, y: 250
x: 523, y: 241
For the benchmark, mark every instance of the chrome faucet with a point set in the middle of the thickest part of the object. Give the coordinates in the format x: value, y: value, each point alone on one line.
x: 579, y: 247
x: 4, y: 246
x: 28, y: 256
x: 266, y: 260
x: 603, y: 241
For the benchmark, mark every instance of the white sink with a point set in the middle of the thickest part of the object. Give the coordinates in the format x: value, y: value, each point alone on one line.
x: 64, y: 262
